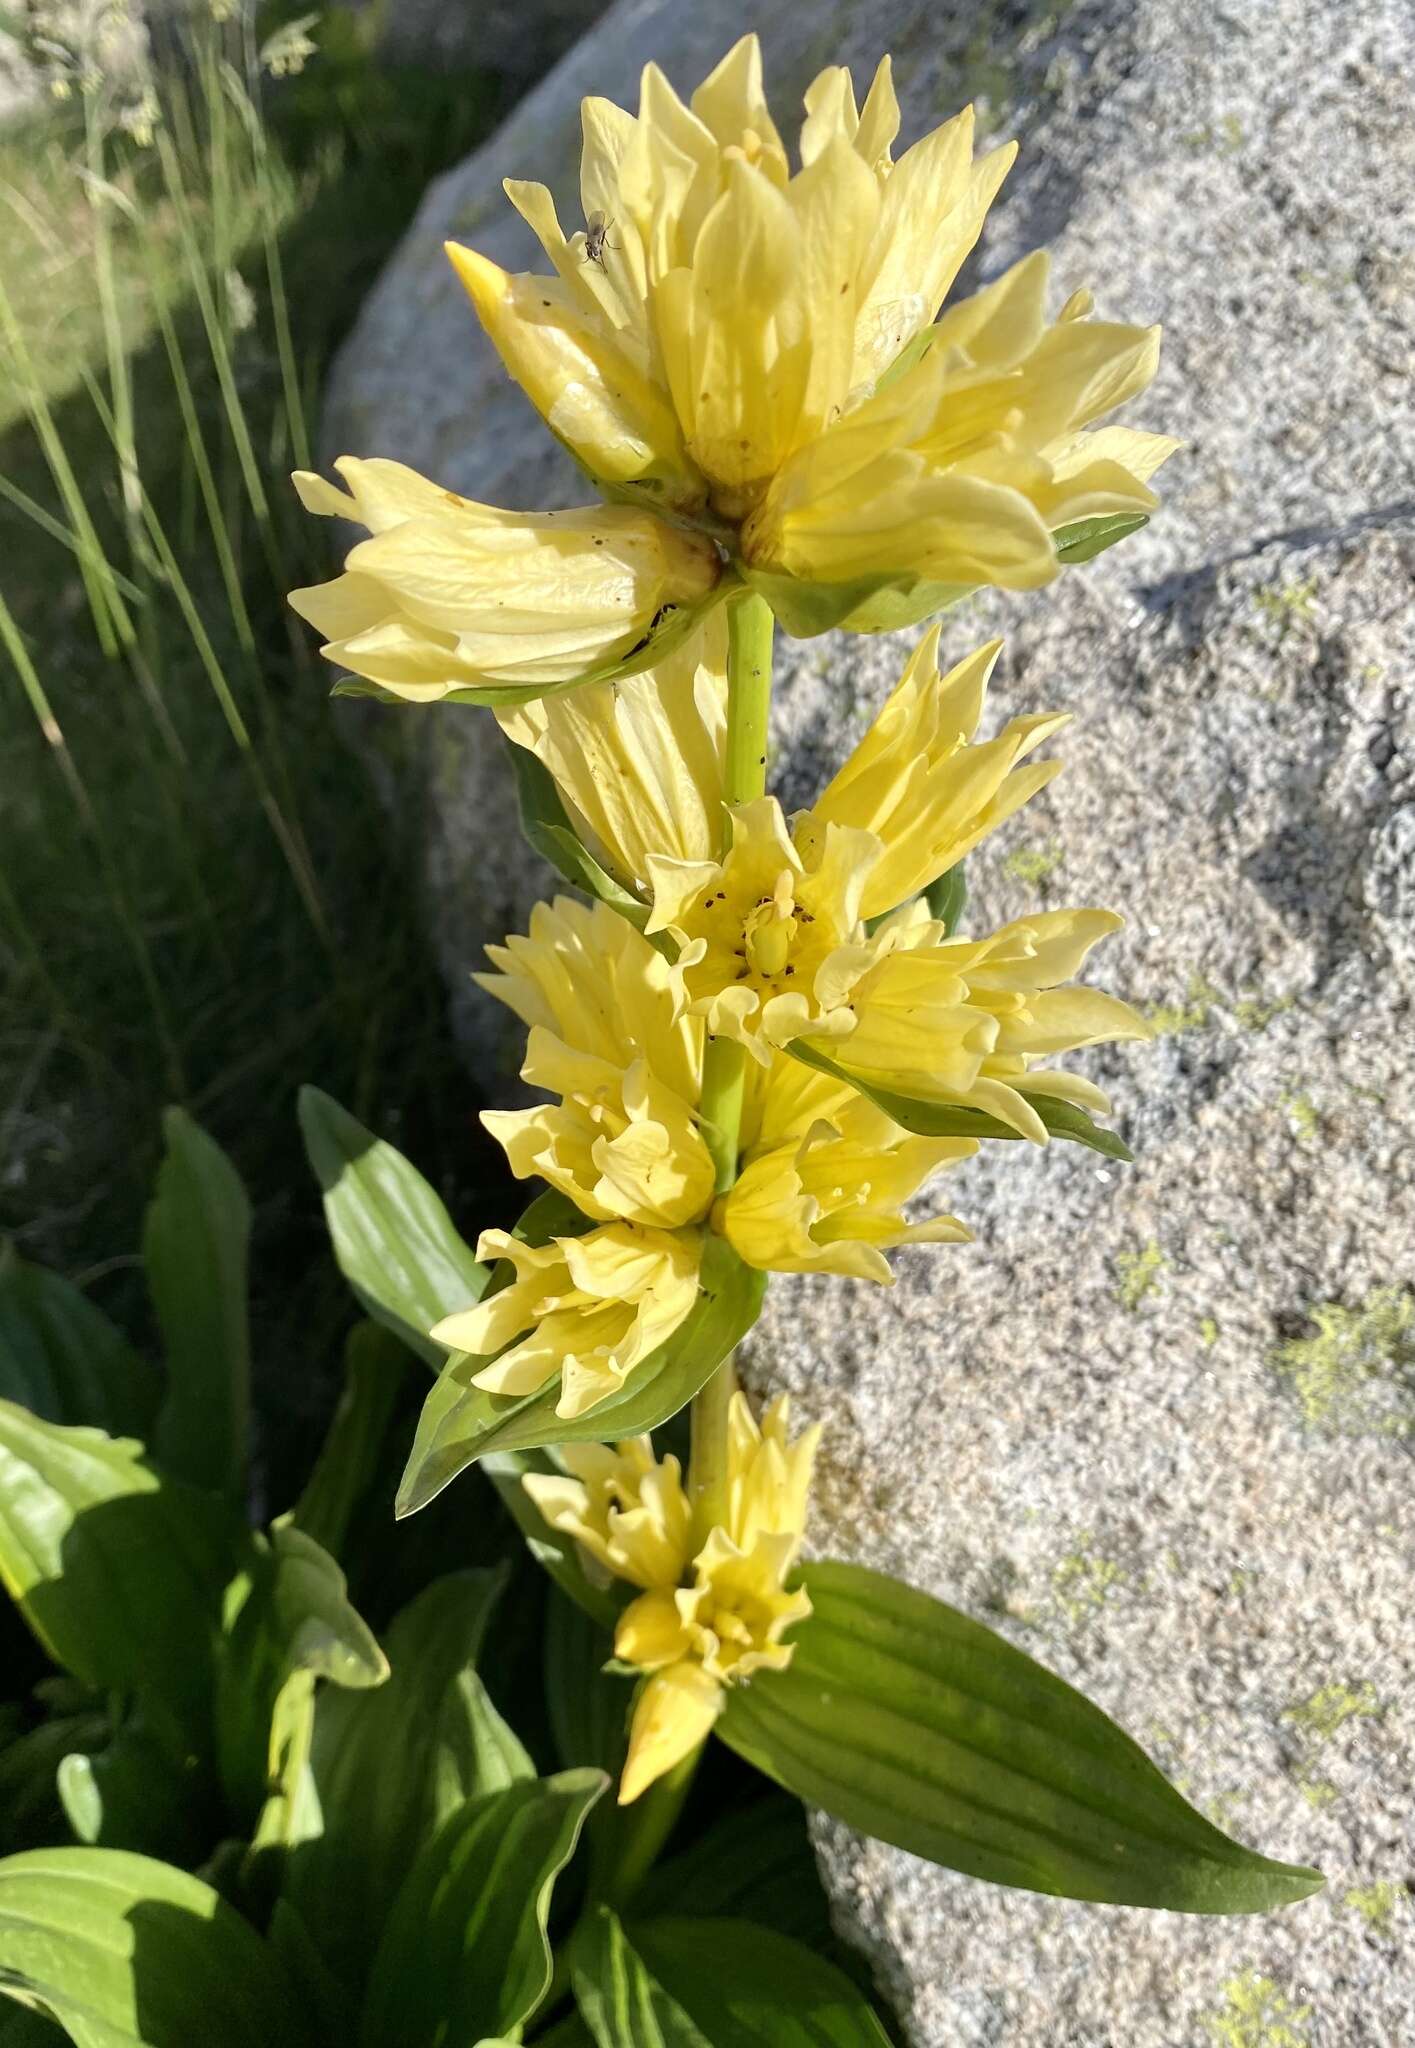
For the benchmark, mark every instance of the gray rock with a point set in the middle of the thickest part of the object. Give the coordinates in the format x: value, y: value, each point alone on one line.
x: 1156, y: 1424
x: 519, y: 40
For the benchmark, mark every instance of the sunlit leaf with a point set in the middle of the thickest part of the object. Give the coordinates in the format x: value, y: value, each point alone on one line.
x: 461, y: 1423
x: 393, y: 1239
x: 955, y: 1120
x: 123, y: 1949
x: 921, y: 1727
x: 465, y: 1953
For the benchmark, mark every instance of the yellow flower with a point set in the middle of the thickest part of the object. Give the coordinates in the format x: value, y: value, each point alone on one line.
x: 960, y: 468
x: 916, y: 783
x: 707, y: 1617
x: 755, y: 349
x: 448, y: 598
x: 639, y: 762
x: 823, y: 1187
x: 586, y: 1309
x: 610, y: 1035
x: 963, y: 1020
x: 757, y: 927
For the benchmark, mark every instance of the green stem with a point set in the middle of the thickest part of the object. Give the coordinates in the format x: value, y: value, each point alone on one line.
x: 749, y: 635
x: 643, y: 1829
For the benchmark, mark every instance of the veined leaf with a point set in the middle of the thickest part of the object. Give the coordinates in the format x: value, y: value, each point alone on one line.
x: 61, y: 1358
x: 699, y: 1983
x: 392, y: 1766
x: 393, y: 1239
x: 123, y: 1950
x: 546, y: 824
x: 118, y: 1570
x: 955, y: 1120
x: 461, y: 1423
x: 195, y: 1243
x: 909, y: 1721
x: 465, y: 1952
x: 1084, y: 539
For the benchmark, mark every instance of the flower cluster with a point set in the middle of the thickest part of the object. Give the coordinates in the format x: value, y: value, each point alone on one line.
x: 752, y: 363
x: 767, y: 1034
x: 712, y: 1607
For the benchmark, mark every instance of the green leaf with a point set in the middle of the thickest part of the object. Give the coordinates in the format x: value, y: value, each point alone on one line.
x: 118, y: 1570
x: 195, y: 1243
x: 393, y: 1238
x: 461, y: 1423
x: 755, y: 1864
x: 374, y: 1366
x: 391, y: 1766
x: 465, y: 1952
x: 914, y: 1724
x: 317, y: 1989
x: 22, y: 2028
x: 123, y: 1949
x: 546, y: 824
x: 1086, y: 538
x: 947, y: 897
x: 953, y: 1120
x: 700, y: 1983
x: 879, y: 603
x: 61, y: 1358
x: 288, y: 1622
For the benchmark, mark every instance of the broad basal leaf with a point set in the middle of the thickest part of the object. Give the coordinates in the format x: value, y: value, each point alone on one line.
x: 707, y: 1983
x: 123, y: 1949
x: 912, y: 1723
x: 61, y: 1358
x: 118, y: 1570
x: 952, y: 1120
x: 391, y: 1766
x: 465, y: 1952
x: 460, y: 1423
x: 195, y: 1244
x: 393, y: 1238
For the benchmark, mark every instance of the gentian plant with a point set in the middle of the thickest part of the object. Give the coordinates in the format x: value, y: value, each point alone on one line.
x: 764, y: 1033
